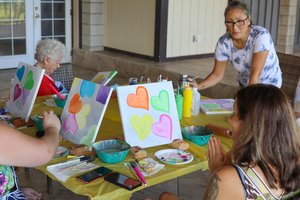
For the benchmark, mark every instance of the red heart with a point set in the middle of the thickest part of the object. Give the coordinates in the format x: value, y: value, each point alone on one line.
x: 75, y: 104
x: 140, y: 99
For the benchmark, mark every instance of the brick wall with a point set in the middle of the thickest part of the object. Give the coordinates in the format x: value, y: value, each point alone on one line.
x: 92, y: 25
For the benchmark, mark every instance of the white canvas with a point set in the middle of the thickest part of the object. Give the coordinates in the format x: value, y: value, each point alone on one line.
x: 149, y: 114
x: 103, y: 78
x: 84, y: 111
x: 23, y: 90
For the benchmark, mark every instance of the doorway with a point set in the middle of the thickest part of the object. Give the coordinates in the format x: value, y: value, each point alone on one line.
x: 23, y: 23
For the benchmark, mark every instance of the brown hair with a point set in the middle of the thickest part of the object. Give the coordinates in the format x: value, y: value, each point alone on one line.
x: 237, y: 5
x: 268, y: 136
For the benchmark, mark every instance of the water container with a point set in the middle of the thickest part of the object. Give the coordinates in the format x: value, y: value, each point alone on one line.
x: 196, y: 102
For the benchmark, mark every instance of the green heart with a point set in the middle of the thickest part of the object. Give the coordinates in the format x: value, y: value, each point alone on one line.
x: 90, y: 137
x: 29, y: 83
x: 161, y: 102
x: 142, y: 126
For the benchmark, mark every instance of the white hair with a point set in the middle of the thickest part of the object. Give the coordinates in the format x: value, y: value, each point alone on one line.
x: 49, y: 47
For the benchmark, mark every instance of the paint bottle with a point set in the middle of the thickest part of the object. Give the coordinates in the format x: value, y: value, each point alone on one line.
x: 196, y: 102
x: 179, y: 103
x: 187, y: 102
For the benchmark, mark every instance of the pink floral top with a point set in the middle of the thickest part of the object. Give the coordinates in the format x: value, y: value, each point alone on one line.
x: 7, y: 180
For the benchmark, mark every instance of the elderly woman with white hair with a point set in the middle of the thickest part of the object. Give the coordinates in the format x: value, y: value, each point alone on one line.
x: 48, y: 54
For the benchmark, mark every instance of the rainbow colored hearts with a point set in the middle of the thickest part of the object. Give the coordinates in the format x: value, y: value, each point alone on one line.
x: 29, y: 83
x: 140, y: 99
x: 163, y: 128
x: 161, y: 102
x: 17, y: 92
x: 142, y: 126
x: 20, y: 72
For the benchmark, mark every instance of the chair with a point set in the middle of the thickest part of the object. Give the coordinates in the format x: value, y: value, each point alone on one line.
x: 65, y: 75
x: 290, y: 67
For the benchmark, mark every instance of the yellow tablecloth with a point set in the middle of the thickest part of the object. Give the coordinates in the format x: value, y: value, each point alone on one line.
x: 111, y: 127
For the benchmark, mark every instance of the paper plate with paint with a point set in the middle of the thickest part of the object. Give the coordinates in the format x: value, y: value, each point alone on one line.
x: 61, y: 152
x: 174, y: 156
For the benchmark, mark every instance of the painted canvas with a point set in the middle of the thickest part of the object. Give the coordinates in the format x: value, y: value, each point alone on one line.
x: 149, y: 114
x: 84, y: 111
x: 23, y: 90
x: 103, y: 78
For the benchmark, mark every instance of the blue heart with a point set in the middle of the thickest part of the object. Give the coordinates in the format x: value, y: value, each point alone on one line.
x: 20, y: 72
x: 87, y: 88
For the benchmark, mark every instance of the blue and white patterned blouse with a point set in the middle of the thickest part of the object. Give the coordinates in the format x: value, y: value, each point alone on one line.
x: 241, y: 59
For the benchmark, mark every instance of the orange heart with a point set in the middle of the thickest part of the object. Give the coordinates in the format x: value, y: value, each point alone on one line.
x: 75, y: 104
x: 140, y: 99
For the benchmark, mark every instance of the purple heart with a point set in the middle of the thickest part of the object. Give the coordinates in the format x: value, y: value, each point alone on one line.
x: 102, y: 94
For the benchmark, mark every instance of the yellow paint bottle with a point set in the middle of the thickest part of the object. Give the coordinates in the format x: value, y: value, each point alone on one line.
x: 187, y: 101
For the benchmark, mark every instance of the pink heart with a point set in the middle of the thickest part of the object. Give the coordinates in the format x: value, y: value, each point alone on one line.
x: 163, y: 128
x: 17, y: 92
x: 70, y: 124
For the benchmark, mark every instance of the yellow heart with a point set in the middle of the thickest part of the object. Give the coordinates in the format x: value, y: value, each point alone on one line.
x: 142, y: 126
x: 81, y: 116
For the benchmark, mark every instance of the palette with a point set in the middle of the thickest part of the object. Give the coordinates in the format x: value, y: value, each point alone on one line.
x: 174, y: 156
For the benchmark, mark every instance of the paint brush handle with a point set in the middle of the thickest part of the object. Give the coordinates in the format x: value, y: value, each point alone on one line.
x: 56, y: 92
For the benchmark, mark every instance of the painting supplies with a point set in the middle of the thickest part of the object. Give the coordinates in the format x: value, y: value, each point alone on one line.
x: 84, y: 111
x: 23, y: 90
x: 79, y: 150
x: 128, y: 166
x: 180, y: 144
x: 148, y: 113
x: 174, y: 156
x: 150, y: 166
x: 103, y: 78
x: 138, y: 172
x: 219, y: 130
x: 133, y: 81
x: 56, y: 92
x: 138, y: 152
x: 159, y: 79
x: 196, y: 102
x: 179, y: 103
x: 187, y: 102
x: 183, y: 81
x: 141, y: 79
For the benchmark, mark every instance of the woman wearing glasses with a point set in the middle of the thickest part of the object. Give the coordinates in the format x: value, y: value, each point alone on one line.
x: 248, y: 48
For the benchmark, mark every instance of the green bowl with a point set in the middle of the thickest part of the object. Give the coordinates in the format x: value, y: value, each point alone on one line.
x: 60, y: 102
x: 199, y: 135
x: 38, y: 120
x: 111, y: 151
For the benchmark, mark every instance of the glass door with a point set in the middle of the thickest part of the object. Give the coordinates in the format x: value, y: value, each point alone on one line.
x: 23, y: 23
x: 55, y: 23
x: 15, y: 25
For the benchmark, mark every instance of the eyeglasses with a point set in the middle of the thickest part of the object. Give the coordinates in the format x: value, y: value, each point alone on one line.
x: 240, y: 22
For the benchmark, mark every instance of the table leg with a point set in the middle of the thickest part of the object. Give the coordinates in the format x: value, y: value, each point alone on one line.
x: 49, y: 185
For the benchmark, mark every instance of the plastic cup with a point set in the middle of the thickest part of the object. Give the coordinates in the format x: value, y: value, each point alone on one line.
x: 60, y: 102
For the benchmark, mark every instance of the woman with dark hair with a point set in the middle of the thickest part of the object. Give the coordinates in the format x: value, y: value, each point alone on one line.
x: 264, y: 161
x: 247, y: 47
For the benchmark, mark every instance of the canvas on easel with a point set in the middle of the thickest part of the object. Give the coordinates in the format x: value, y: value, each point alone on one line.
x: 103, y: 78
x: 23, y: 90
x: 84, y: 111
x: 149, y: 114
